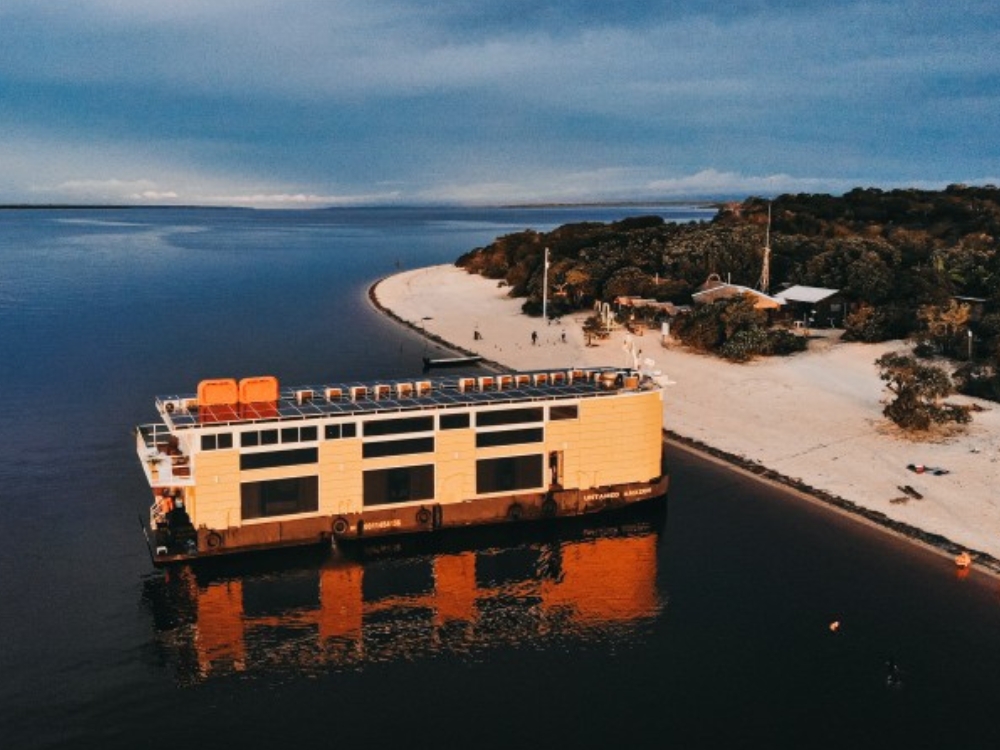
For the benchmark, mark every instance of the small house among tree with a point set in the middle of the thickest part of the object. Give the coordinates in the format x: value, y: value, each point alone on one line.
x: 814, y: 305
x: 711, y: 292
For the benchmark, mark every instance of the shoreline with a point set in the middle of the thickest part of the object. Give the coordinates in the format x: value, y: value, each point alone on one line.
x: 459, y: 300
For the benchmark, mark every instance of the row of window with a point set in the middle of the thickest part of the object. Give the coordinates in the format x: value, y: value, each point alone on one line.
x: 282, y: 497
x: 383, y: 448
x: 383, y: 427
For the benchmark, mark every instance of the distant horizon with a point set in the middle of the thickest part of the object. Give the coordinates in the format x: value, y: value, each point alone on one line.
x: 554, y: 204
x: 706, y: 201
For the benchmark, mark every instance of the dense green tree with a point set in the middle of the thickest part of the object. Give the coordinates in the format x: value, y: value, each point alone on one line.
x: 944, y: 329
x: 735, y: 329
x: 918, y: 391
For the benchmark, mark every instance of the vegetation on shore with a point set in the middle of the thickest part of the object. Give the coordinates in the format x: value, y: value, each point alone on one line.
x: 908, y: 263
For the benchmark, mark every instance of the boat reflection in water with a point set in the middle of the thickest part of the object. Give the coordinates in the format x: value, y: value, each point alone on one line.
x: 458, y: 593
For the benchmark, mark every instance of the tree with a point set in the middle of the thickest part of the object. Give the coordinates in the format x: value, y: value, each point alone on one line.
x: 593, y: 327
x: 945, y: 328
x: 870, y: 324
x: 918, y: 391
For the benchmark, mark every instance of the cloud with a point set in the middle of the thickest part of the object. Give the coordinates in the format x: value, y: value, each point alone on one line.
x: 329, y: 100
x: 148, y: 192
x: 712, y: 182
x: 297, y: 200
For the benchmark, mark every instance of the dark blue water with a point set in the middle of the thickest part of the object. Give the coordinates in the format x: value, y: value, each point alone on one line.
x: 702, y: 624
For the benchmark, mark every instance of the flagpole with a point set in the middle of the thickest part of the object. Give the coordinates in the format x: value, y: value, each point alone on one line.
x: 545, y: 287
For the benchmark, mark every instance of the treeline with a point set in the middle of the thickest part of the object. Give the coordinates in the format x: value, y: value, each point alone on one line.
x: 900, y: 248
x: 894, y: 255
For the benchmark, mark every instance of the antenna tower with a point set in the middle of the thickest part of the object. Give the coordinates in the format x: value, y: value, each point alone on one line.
x: 765, y: 272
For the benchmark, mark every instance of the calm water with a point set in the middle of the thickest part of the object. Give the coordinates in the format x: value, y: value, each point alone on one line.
x: 701, y: 623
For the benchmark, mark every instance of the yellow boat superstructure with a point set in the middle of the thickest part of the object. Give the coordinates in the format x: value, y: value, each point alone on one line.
x: 246, y: 464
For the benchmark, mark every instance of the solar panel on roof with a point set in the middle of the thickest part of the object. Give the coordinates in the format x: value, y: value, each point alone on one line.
x: 395, y: 396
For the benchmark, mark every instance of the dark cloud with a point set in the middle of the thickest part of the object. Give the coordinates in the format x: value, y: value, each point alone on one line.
x: 336, y: 98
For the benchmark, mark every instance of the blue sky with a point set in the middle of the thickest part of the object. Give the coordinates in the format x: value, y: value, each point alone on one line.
x: 303, y: 103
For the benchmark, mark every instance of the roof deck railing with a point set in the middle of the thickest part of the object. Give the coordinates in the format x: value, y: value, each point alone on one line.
x: 313, y: 401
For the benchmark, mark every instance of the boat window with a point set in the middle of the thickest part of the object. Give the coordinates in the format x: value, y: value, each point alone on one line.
x: 454, y: 421
x: 249, y: 439
x: 509, y: 416
x: 217, y: 442
x: 268, y: 437
x: 398, y: 447
x: 508, y: 473
x: 510, y: 437
x: 308, y: 433
x: 399, y: 484
x: 290, y: 434
x: 337, y: 431
x: 564, y: 411
x: 279, y: 497
x: 397, y: 426
x: 271, y: 459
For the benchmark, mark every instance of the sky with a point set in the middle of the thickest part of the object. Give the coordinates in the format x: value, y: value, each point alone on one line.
x: 304, y: 103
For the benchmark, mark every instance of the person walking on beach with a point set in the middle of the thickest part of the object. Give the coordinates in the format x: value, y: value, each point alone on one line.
x: 534, y: 337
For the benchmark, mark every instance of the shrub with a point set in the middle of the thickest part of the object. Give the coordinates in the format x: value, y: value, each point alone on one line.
x: 781, y: 342
x: 918, y: 391
x: 745, y: 344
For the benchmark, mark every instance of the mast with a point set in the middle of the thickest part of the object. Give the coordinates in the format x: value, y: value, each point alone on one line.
x: 765, y: 271
x: 545, y: 287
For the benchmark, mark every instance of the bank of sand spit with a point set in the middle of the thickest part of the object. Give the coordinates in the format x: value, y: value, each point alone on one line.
x: 812, y: 421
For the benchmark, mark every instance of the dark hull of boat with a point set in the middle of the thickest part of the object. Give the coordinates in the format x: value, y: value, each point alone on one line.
x: 387, y: 522
x: 451, y: 361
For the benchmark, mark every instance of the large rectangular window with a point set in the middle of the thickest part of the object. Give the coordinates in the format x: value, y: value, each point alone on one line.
x: 397, y: 426
x: 278, y: 458
x: 458, y: 421
x: 509, y: 416
x: 399, y: 485
x: 563, y: 411
x: 397, y: 447
x: 510, y: 437
x: 279, y: 497
x: 508, y: 474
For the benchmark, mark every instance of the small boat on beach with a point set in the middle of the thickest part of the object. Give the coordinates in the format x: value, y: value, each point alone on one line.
x: 431, y: 362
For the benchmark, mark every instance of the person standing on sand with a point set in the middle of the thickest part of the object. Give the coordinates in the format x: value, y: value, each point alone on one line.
x: 534, y: 337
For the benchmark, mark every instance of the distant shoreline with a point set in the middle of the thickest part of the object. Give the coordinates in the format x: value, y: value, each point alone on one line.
x: 694, y: 203
x: 99, y: 207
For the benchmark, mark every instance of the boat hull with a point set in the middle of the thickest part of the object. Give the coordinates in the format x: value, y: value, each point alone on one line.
x: 416, y: 519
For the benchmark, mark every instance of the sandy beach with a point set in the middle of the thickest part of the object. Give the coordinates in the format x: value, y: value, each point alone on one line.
x: 814, y: 418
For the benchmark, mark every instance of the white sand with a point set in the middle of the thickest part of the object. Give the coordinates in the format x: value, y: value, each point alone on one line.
x: 815, y: 416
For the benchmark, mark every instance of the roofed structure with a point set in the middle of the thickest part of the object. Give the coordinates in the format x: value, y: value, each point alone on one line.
x: 809, y: 295
x: 722, y: 290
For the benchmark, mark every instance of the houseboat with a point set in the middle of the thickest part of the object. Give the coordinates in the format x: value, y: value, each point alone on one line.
x: 248, y: 465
